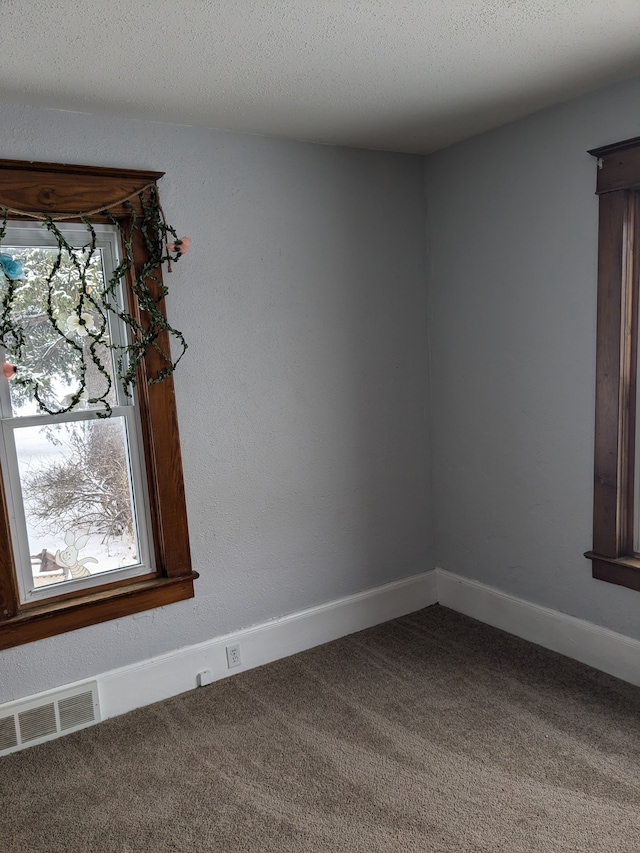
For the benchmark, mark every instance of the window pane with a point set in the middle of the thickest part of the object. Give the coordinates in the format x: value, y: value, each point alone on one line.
x: 46, y: 354
x: 78, y: 504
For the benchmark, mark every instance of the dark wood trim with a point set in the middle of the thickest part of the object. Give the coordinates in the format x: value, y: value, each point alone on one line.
x: 63, y: 190
x: 47, y: 620
x: 609, y: 520
x: 618, y: 166
x: 615, y: 147
x: 59, y: 189
x: 75, y: 169
x: 163, y: 455
x: 624, y: 571
x: 9, y: 594
x: 614, y: 511
x: 169, y: 499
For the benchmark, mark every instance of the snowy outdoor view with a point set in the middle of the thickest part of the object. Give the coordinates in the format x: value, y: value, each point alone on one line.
x: 75, y: 480
x: 74, y: 476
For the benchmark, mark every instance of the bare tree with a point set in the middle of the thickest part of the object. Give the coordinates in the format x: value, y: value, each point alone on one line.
x: 88, y: 490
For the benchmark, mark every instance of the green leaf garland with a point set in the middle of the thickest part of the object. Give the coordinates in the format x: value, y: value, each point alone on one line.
x: 90, y: 315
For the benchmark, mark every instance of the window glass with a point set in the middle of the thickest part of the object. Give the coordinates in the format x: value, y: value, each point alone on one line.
x: 75, y: 480
x: 77, y: 490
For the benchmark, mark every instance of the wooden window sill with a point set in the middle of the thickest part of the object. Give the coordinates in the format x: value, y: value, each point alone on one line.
x: 624, y: 571
x: 56, y: 617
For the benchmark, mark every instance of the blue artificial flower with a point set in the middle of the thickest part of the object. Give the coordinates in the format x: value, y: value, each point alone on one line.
x: 11, y: 268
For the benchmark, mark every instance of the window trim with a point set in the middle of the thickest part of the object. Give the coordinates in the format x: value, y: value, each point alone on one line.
x: 613, y: 557
x: 60, y: 189
x: 123, y: 405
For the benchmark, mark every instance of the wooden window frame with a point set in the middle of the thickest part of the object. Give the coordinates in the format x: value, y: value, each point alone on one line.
x: 613, y: 557
x: 52, y: 189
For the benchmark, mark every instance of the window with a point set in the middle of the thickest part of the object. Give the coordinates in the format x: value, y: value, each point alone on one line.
x: 615, y: 555
x: 92, y: 510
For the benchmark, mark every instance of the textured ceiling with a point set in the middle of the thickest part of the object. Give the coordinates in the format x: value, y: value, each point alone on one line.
x: 404, y: 75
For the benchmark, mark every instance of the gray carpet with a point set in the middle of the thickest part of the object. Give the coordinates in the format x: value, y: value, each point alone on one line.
x: 430, y: 733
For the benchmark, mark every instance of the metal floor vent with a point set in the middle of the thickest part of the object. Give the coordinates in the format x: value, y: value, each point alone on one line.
x: 27, y: 722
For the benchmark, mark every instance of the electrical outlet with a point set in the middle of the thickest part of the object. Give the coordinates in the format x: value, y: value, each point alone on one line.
x: 233, y: 656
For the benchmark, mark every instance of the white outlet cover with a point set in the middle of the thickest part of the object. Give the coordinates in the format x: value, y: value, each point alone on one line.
x: 233, y: 656
x: 204, y: 677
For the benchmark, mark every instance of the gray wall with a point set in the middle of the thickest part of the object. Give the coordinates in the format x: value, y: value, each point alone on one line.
x: 512, y: 247
x: 303, y: 402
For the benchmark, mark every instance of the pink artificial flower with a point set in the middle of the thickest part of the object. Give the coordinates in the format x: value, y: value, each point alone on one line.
x: 180, y: 247
x: 9, y: 370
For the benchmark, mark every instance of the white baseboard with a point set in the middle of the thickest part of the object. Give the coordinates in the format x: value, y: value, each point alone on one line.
x: 167, y: 675
x: 598, y: 647
x: 148, y: 681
